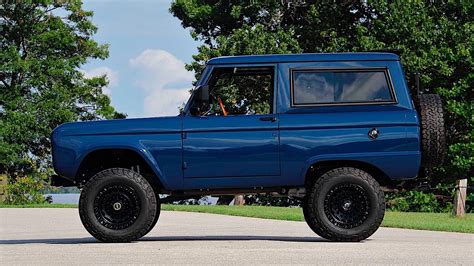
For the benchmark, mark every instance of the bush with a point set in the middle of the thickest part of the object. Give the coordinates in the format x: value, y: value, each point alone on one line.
x: 416, y: 201
x: 25, y: 190
x: 398, y: 204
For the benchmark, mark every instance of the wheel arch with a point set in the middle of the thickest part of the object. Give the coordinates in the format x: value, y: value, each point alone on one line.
x: 124, y: 157
x: 318, y: 168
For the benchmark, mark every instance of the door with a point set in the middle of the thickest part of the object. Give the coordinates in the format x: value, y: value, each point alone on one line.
x: 237, y: 134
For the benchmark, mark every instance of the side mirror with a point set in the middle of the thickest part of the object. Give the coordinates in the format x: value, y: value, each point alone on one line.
x: 201, y: 99
x: 195, y: 110
x: 202, y: 94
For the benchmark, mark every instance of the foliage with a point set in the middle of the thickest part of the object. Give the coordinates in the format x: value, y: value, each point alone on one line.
x: 470, y: 201
x: 416, y: 201
x: 25, y: 190
x: 254, y: 39
x: 238, y: 92
x: 235, y: 90
x: 435, y: 38
x: 42, y: 47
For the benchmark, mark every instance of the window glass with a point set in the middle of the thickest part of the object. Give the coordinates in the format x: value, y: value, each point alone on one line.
x: 242, y: 91
x: 316, y: 87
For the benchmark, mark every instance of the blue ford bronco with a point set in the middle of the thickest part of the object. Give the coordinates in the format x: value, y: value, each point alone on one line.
x: 334, y: 130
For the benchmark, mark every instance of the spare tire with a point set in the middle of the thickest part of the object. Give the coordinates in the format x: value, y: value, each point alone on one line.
x: 432, y: 130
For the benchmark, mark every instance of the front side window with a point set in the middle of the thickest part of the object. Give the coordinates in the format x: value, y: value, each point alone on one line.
x: 312, y: 87
x: 241, y: 91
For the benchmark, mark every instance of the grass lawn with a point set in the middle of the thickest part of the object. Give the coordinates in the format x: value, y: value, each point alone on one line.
x: 410, y: 220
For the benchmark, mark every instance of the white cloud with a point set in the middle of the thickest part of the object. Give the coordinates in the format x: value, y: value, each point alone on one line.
x: 112, y: 77
x: 164, y: 79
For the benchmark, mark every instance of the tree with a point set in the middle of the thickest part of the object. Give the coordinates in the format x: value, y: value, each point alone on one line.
x: 435, y: 38
x: 42, y: 47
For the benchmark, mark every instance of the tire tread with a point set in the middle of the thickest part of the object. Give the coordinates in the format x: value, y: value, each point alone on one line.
x: 142, y: 183
x: 433, y: 135
x: 315, y: 223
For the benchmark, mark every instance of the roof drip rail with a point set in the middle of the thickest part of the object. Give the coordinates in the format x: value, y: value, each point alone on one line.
x: 393, y: 51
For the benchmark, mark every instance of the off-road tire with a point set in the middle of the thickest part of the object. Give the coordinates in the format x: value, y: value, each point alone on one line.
x: 433, y: 136
x: 157, y: 214
x: 316, y: 202
x: 306, y: 215
x: 145, y: 205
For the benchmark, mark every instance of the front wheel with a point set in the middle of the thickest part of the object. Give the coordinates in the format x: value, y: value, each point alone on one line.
x: 118, y: 205
x: 345, y: 204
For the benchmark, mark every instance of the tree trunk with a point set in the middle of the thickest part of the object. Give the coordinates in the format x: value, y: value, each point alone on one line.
x: 460, y: 198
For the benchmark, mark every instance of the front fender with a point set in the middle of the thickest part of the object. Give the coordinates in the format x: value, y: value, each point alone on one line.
x: 69, y: 153
x: 156, y: 140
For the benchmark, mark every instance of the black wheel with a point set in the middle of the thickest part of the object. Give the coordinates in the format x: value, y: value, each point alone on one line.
x: 118, y: 205
x: 433, y: 137
x: 344, y: 204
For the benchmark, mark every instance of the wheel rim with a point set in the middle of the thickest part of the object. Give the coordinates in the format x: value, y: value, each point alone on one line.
x: 347, y: 205
x: 117, y: 206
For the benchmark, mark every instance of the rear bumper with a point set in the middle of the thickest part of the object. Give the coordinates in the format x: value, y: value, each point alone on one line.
x: 59, y: 181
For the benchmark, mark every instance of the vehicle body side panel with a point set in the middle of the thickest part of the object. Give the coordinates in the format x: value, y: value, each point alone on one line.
x: 156, y: 140
x: 390, y: 152
x: 340, y: 132
x: 229, y: 147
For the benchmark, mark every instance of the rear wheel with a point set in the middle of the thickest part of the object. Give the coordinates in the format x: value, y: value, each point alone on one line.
x: 344, y: 204
x: 118, y: 205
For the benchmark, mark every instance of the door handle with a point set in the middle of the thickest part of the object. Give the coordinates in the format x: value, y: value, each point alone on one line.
x: 268, y: 118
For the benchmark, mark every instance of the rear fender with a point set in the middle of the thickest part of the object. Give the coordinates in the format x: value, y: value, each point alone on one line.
x: 409, y: 162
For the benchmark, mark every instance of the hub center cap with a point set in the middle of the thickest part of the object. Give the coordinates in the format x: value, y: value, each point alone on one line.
x: 347, y: 205
x: 117, y: 206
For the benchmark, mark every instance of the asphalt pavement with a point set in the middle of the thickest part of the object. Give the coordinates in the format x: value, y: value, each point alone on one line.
x: 56, y: 236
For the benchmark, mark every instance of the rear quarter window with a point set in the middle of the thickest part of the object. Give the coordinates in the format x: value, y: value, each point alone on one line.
x: 341, y: 86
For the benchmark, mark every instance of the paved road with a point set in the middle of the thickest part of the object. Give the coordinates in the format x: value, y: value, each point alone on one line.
x: 56, y: 236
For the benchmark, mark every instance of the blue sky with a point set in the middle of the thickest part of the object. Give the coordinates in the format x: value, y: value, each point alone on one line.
x: 148, y: 49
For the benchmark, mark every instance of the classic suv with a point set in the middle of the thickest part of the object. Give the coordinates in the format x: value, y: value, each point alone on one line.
x: 331, y: 129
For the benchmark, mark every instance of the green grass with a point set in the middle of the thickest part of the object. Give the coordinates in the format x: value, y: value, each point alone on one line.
x: 430, y: 221
x: 409, y: 220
